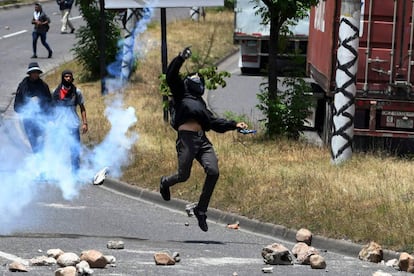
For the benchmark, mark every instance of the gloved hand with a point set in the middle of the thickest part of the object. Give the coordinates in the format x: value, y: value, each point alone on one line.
x: 186, y: 53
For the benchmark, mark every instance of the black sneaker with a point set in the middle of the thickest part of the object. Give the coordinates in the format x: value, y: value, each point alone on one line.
x: 164, y: 191
x: 202, y: 219
x: 72, y: 31
x: 50, y: 54
x: 34, y: 56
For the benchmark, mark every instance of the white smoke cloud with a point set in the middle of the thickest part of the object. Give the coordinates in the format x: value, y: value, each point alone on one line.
x: 23, y: 173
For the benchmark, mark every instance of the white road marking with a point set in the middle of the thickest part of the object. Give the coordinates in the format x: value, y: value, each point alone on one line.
x: 226, y: 260
x: 24, y: 31
x: 61, y: 206
x: 201, y: 260
x: 13, y: 34
x: 13, y: 258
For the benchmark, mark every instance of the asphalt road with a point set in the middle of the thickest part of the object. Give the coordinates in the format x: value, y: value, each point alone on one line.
x: 117, y: 211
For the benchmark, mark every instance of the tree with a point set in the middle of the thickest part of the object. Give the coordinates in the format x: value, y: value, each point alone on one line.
x: 276, y: 13
x: 87, y: 50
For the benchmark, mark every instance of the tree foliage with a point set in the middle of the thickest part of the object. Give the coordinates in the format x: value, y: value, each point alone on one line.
x: 212, y: 77
x: 86, y: 49
x: 276, y: 13
x: 289, y: 110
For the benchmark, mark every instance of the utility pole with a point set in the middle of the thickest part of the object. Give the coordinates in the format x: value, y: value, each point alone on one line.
x: 102, y: 45
x: 164, y: 55
x: 345, y: 91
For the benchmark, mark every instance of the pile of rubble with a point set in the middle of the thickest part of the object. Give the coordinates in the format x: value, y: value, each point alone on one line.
x: 302, y: 252
x: 372, y: 252
x: 70, y: 264
x: 305, y: 254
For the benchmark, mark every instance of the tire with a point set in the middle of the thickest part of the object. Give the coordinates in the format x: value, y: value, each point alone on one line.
x: 327, y: 124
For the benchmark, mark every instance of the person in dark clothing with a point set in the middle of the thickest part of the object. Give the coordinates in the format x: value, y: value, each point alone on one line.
x: 33, y: 102
x: 41, y: 26
x: 65, y: 6
x: 66, y: 98
x: 192, y: 121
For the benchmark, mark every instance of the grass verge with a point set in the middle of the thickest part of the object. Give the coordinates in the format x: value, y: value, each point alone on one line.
x: 290, y: 183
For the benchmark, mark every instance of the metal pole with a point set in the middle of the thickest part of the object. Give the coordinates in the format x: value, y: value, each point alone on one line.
x: 164, y: 58
x: 344, y: 96
x: 101, y: 45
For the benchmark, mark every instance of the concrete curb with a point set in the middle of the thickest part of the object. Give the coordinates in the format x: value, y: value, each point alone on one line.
x: 338, y: 246
x: 342, y: 247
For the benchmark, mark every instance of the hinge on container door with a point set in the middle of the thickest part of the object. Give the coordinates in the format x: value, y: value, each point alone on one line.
x: 379, y: 70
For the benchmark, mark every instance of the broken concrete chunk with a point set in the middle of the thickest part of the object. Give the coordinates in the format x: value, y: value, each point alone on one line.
x: 95, y: 258
x: 111, y: 260
x: 54, y: 253
x: 68, y: 259
x: 406, y: 262
x: 176, y: 257
x: 17, y: 267
x: 304, y: 235
x: 83, y: 268
x: 317, y: 262
x: 66, y: 271
x: 277, y: 254
x: 42, y: 261
x: 115, y: 245
x: 371, y: 252
x: 162, y: 258
x: 303, y: 252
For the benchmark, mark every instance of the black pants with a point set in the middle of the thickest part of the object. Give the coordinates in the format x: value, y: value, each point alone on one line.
x: 192, y: 145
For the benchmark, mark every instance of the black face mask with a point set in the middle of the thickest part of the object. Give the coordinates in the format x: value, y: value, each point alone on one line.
x: 64, y: 81
x: 194, y: 85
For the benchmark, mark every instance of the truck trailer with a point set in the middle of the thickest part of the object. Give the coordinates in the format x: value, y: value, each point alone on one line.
x: 253, y: 37
x: 384, y: 100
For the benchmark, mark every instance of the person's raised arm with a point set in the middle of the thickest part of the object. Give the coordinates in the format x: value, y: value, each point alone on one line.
x: 173, y: 78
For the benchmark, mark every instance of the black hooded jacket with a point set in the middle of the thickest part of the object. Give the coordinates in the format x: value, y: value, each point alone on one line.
x: 28, y: 89
x: 192, y: 107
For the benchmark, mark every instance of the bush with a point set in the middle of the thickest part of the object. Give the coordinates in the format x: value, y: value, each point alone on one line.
x: 288, y: 111
x: 86, y: 50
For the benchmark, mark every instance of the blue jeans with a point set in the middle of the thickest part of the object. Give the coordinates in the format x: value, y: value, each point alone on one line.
x: 35, y: 134
x: 75, y: 149
x: 35, y: 36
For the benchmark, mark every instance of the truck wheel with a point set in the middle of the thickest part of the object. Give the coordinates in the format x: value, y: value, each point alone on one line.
x: 327, y: 124
x: 249, y: 71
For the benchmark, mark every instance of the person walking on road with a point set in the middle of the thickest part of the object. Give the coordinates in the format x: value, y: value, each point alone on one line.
x: 65, y: 6
x: 192, y: 120
x: 41, y: 26
x: 66, y: 98
x: 33, y: 103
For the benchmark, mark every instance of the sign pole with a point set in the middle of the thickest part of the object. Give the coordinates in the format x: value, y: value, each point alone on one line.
x: 164, y: 58
x: 345, y: 91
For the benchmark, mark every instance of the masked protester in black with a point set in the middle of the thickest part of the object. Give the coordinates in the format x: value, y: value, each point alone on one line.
x: 192, y: 120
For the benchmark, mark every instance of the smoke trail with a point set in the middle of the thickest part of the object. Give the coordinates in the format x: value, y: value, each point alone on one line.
x: 24, y: 173
x: 129, y: 52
